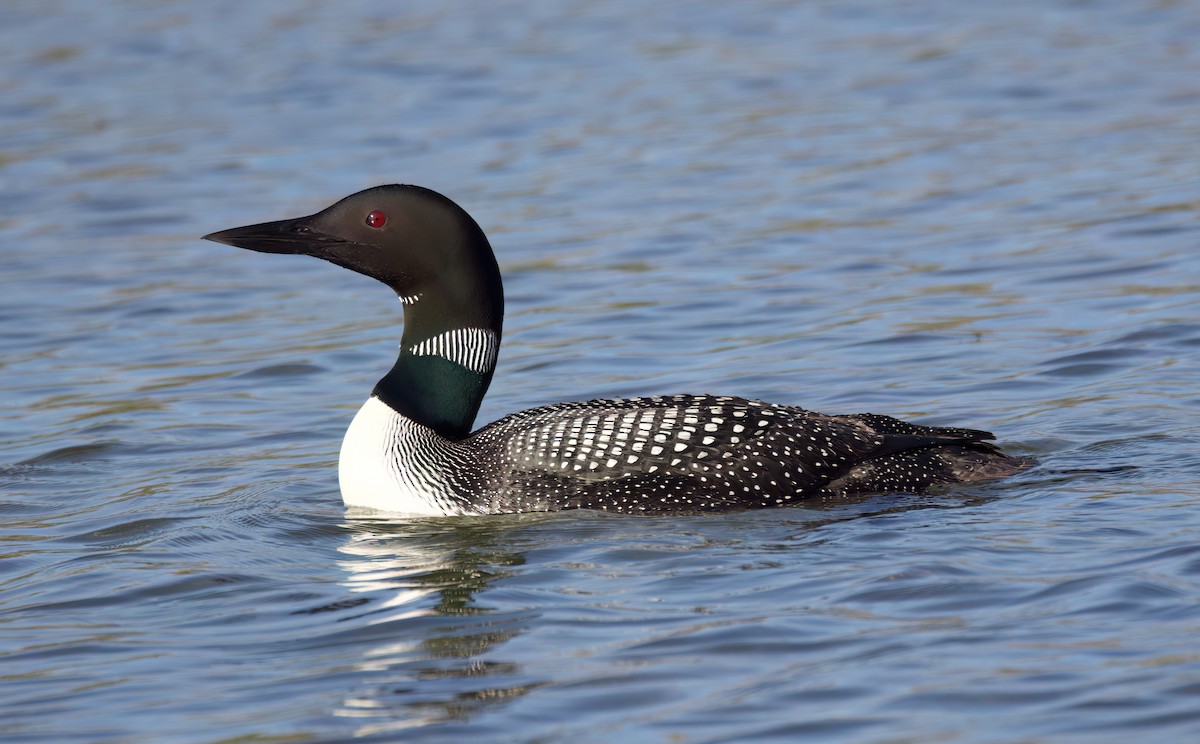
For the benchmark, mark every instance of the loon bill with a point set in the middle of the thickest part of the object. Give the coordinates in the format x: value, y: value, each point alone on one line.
x: 410, y: 448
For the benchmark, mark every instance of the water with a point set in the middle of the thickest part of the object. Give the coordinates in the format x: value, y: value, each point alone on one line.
x: 984, y: 215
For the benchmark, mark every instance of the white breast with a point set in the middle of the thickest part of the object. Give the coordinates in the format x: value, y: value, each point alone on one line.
x: 392, y: 463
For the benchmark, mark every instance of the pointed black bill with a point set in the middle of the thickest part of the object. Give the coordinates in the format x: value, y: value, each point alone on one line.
x: 284, y: 236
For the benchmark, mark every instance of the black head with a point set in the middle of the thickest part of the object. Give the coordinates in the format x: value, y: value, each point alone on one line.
x: 435, y: 257
x: 415, y: 240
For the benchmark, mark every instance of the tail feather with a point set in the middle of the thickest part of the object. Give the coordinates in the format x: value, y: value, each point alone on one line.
x: 889, y: 425
x: 913, y: 458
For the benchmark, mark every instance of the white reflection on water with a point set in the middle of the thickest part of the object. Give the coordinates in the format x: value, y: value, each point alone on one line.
x: 422, y: 577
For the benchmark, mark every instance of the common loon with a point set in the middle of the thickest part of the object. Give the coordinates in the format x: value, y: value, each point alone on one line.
x: 410, y: 448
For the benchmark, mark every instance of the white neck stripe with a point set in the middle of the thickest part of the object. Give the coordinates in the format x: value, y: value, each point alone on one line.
x: 473, y: 348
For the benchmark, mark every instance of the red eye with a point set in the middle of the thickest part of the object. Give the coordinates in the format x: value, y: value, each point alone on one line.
x: 376, y: 219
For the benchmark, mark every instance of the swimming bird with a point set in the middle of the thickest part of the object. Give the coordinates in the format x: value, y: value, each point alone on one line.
x: 410, y: 447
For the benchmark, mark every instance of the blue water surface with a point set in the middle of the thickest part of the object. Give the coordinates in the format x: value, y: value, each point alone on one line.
x: 978, y: 214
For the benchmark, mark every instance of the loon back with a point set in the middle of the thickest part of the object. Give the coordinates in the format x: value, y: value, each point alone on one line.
x: 410, y: 447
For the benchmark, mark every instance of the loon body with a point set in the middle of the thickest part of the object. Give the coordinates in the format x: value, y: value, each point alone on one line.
x: 410, y: 448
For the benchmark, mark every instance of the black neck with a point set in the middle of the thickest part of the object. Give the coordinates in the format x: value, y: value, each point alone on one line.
x: 435, y: 392
x: 429, y: 388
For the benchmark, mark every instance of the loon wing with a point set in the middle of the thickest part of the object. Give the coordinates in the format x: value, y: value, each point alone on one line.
x: 701, y: 453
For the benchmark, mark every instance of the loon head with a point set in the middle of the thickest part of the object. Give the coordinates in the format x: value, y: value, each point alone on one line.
x: 416, y: 241
x: 438, y: 261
